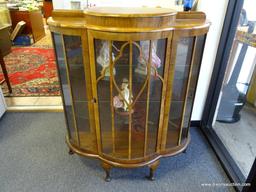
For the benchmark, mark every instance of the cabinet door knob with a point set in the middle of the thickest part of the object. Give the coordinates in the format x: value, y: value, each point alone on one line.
x: 93, y: 100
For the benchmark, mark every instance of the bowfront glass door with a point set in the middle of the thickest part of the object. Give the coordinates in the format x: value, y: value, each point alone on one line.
x: 129, y: 80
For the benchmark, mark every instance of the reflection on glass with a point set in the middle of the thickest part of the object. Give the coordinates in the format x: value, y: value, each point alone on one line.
x: 129, y: 91
x: 180, y: 81
x: 235, y: 115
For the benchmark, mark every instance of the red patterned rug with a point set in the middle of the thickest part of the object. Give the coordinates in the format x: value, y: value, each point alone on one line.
x: 32, y: 72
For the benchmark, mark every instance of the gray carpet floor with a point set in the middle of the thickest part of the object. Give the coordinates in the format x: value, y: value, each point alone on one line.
x: 34, y: 158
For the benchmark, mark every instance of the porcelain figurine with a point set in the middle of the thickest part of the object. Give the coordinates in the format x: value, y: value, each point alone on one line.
x: 144, y: 57
x: 124, y: 98
x: 103, y: 59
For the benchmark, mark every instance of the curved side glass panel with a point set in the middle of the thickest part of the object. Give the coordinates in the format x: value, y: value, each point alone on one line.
x: 196, y: 63
x: 180, y: 83
x: 62, y: 70
x: 72, y: 77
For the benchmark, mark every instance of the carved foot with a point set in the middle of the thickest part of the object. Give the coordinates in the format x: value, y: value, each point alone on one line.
x: 152, y: 169
x: 70, y: 152
x: 151, y: 175
x: 185, y: 151
x: 107, y: 169
x: 107, y: 178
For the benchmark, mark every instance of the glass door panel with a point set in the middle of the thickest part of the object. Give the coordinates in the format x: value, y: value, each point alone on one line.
x: 235, y: 116
x: 129, y: 76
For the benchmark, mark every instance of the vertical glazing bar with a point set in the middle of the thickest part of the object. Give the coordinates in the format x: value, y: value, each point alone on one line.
x: 94, y: 90
x: 170, y: 59
x: 70, y: 89
x: 187, y: 89
x: 148, y: 96
x: 86, y: 64
x: 111, y: 96
x: 130, y: 100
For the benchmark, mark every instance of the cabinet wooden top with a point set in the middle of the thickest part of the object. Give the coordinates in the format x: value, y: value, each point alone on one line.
x: 128, y: 19
x: 129, y: 11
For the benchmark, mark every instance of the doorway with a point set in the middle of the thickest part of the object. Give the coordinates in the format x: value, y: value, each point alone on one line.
x: 28, y: 73
x: 229, y: 119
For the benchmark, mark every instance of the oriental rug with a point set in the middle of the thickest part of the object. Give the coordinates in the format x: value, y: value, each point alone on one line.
x: 32, y: 72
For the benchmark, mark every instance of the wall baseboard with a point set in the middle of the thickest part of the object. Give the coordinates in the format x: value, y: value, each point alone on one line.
x: 195, y: 124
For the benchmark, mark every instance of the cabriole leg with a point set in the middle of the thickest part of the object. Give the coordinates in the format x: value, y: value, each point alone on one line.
x: 70, y: 152
x: 152, y: 169
x: 107, y: 169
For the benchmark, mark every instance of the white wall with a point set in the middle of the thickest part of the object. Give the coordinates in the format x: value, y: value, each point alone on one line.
x: 133, y: 3
x: 65, y: 4
x: 215, y: 11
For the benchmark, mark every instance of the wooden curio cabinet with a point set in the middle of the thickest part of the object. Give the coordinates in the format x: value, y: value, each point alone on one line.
x: 128, y: 79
